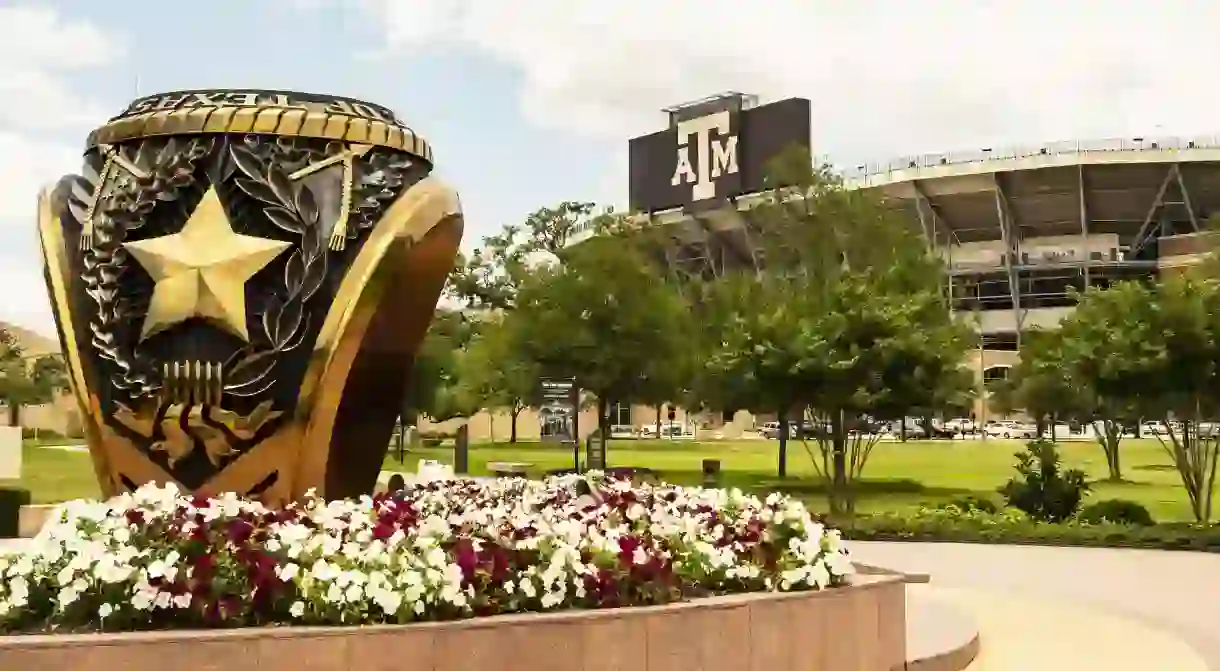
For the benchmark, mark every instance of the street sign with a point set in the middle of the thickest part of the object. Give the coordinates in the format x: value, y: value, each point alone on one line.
x: 557, y: 415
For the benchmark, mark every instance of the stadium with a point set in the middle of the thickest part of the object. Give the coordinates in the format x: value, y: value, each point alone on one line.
x: 1017, y: 228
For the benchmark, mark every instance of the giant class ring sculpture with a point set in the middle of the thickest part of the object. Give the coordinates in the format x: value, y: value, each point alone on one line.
x: 240, y: 281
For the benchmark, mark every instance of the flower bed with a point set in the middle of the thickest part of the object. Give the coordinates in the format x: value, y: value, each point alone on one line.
x: 158, y: 559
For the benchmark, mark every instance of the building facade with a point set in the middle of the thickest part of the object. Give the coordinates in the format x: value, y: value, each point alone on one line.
x: 61, y: 415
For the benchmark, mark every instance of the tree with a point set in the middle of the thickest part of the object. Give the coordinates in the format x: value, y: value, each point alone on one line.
x: 25, y: 381
x: 1155, y: 349
x: 1059, y: 375
x: 496, y: 376
x: 491, y: 276
x: 845, y: 318
x: 434, y: 387
x: 604, y: 318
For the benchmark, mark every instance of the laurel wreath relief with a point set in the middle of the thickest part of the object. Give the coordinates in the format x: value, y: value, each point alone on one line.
x: 169, y: 167
x: 292, y: 207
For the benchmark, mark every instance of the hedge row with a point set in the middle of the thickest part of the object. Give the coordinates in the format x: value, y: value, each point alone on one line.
x: 1012, y: 527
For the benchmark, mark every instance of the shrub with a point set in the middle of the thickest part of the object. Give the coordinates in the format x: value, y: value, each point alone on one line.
x: 1042, y: 488
x: 971, y: 503
x: 1011, y: 526
x: 1117, y: 511
x: 11, y: 500
x: 155, y: 558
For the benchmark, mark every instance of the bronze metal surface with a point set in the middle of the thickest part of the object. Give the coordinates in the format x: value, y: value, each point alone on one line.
x: 239, y: 300
x: 201, y: 271
x: 280, y: 113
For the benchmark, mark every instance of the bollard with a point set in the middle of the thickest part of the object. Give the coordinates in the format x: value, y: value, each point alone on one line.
x: 461, y: 450
x: 711, y: 472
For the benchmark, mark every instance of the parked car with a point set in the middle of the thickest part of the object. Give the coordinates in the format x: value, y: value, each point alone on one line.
x: 960, y: 425
x: 867, y: 427
x: 1153, y: 429
x: 770, y: 430
x: 1059, y: 431
x: 1009, y: 429
x: 668, y: 430
x: 914, y: 429
x: 623, y: 431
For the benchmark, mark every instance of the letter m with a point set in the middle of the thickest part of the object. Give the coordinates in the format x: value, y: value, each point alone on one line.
x: 724, y: 156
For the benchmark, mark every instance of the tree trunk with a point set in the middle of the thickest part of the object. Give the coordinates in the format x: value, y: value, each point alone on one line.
x: 783, y: 442
x: 840, y: 498
x: 1109, y: 437
x: 902, y: 429
x: 512, y: 427
x: 1195, y: 459
x: 1054, y: 422
x: 658, y: 421
x: 603, y: 417
x: 14, y: 414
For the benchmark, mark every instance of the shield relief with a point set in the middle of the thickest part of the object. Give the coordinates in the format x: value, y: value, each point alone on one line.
x: 240, y: 281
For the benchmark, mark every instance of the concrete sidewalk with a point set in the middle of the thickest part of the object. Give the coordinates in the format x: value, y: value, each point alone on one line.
x: 1174, y: 593
x: 1019, y: 634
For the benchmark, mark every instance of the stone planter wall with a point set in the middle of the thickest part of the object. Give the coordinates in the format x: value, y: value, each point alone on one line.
x: 856, y: 628
x: 31, y: 518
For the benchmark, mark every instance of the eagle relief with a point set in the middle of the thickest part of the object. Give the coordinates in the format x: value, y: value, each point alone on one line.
x: 225, y: 271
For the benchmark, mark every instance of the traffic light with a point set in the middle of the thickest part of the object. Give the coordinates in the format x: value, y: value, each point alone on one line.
x: 672, y: 414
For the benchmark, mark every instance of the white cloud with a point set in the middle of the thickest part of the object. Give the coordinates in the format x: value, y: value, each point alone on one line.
x: 886, y: 77
x: 28, y: 163
x: 43, y: 123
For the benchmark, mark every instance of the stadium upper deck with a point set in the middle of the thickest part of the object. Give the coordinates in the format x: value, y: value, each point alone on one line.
x: 1019, y: 227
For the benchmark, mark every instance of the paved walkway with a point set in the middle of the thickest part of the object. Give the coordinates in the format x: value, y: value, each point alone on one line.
x: 1020, y: 634
x: 1176, y: 593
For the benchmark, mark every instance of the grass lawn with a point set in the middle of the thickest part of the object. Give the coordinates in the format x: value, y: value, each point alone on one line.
x: 898, y: 475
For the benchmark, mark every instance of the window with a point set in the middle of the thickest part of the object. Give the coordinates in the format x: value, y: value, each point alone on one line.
x: 620, y: 414
x: 995, y: 373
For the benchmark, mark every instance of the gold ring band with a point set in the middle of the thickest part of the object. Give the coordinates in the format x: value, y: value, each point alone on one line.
x: 266, y: 120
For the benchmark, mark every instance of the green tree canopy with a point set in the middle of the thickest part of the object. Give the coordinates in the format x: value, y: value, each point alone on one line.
x: 842, y: 313
x: 434, y: 387
x: 1054, y: 379
x: 490, y: 277
x: 25, y: 380
x: 604, y: 318
x: 1153, y: 349
x: 495, y: 375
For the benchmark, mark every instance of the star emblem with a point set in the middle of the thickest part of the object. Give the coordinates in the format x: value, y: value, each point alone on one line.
x: 201, y: 271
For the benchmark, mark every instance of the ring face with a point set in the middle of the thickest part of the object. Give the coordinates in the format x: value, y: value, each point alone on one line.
x: 226, y: 270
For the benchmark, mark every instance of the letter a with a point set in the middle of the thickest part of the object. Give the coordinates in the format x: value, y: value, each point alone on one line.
x: 684, y: 172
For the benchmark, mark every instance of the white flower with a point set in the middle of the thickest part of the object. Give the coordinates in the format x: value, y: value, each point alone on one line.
x: 329, y: 563
x: 66, y: 597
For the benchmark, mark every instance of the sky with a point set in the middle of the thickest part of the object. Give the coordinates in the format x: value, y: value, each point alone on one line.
x: 531, y: 102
